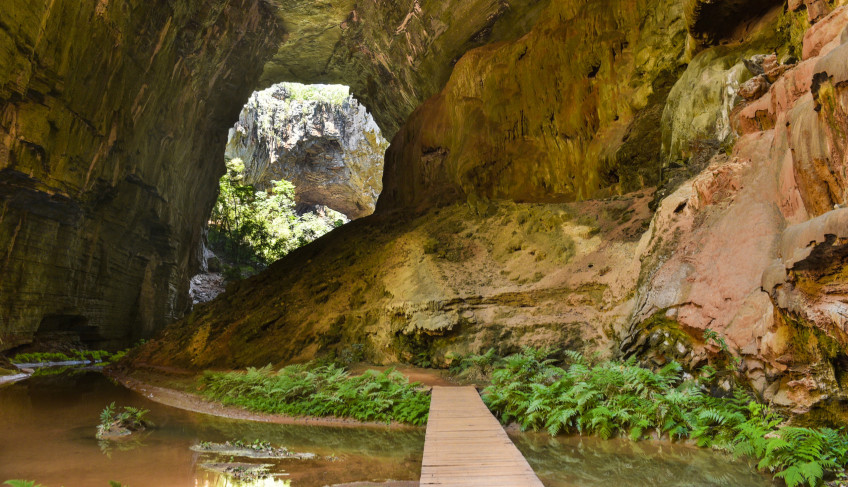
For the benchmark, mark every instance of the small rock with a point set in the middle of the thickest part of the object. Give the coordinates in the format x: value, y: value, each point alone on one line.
x: 816, y: 10
x: 754, y: 87
x: 771, y: 391
x: 770, y: 62
x: 755, y: 65
x: 772, y: 68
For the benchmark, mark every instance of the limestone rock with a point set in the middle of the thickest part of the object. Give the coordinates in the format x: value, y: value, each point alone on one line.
x: 331, y: 150
x: 456, y: 280
x: 394, y: 54
x: 113, y: 118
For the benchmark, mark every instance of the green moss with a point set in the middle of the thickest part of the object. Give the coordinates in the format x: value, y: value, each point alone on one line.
x: 809, y: 343
x: 660, y: 322
x: 790, y: 30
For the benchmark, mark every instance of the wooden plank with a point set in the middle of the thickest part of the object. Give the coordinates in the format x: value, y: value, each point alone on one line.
x: 466, y: 446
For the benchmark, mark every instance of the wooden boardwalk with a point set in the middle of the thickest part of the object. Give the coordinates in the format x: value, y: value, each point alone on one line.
x: 466, y: 446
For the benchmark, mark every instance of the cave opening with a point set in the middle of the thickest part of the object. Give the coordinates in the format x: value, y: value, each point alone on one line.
x: 69, y: 330
x: 301, y: 161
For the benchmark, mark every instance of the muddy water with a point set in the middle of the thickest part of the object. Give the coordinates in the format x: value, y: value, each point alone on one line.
x: 47, y: 427
x: 591, y: 462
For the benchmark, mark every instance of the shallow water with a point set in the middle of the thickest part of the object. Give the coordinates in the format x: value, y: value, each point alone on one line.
x: 47, y: 427
x: 588, y: 462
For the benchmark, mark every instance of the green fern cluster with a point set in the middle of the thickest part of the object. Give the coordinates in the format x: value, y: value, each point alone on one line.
x: 322, y: 390
x: 474, y: 365
x: 620, y: 398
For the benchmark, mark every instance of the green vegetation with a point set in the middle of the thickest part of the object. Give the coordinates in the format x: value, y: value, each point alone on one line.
x: 321, y: 390
x: 620, y: 398
x: 73, y: 356
x: 255, y: 228
x: 114, y: 423
x: 333, y: 94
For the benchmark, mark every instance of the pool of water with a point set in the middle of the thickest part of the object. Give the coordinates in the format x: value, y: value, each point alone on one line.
x: 47, y: 428
x: 589, y: 462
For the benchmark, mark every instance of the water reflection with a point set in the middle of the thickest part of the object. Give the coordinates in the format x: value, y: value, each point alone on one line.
x: 215, y: 480
x: 587, y: 462
x: 47, y: 427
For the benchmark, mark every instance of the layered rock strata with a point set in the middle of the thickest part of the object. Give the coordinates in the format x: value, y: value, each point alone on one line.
x: 113, y: 119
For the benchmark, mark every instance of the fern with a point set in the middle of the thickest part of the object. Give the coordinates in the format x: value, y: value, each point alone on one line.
x: 321, y: 390
x: 620, y: 398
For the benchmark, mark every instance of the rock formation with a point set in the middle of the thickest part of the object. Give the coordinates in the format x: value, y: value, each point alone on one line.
x: 114, y: 117
x: 754, y: 247
x: 580, y: 174
x: 458, y: 279
x: 330, y: 149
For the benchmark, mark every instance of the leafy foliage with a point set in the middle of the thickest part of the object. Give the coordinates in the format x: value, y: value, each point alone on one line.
x: 256, y: 228
x: 475, y: 366
x: 126, y: 421
x: 333, y: 94
x: 620, y: 398
x: 321, y: 390
x: 74, y: 355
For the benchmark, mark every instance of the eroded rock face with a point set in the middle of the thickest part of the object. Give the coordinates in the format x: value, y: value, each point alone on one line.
x: 394, y: 54
x: 456, y: 280
x: 331, y: 150
x: 751, y: 247
x: 734, y: 249
x: 570, y: 111
x: 110, y: 146
x: 710, y: 21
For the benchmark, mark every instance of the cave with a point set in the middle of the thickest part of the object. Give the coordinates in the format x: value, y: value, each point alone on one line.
x: 657, y: 184
x: 73, y: 327
x: 301, y: 161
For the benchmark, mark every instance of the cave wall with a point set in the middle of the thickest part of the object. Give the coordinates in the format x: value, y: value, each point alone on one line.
x: 108, y: 163
x: 394, y: 54
x: 114, y: 116
x: 568, y: 112
x: 102, y: 189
